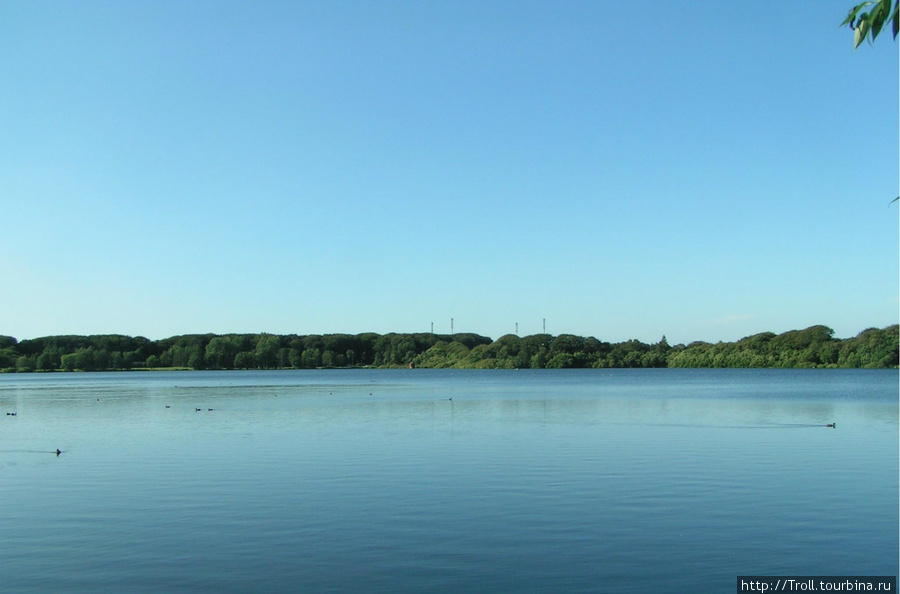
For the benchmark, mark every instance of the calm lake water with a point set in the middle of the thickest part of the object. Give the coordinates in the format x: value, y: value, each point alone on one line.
x: 445, y: 481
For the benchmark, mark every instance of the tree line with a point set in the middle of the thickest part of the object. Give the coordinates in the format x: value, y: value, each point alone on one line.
x: 813, y: 347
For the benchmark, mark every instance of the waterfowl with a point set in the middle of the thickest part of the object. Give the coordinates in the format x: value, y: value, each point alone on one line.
x: 197, y: 410
x: 58, y: 452
x: 832, y: 425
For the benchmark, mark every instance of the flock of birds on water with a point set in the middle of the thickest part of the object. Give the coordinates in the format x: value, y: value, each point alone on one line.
x: 58, y: 451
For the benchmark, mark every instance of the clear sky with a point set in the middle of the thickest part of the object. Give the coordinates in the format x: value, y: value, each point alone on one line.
x: 701, y: 169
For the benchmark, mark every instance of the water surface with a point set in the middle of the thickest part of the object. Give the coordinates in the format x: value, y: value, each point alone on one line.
x: 445, y: 481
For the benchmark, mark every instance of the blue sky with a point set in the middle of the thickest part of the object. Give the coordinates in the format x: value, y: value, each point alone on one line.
x: 701, y: 169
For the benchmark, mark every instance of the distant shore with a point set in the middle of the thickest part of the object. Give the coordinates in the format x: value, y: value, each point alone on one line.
x: 813, y: 347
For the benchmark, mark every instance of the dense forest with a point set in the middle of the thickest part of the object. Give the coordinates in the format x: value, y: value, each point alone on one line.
x: 812, y: 347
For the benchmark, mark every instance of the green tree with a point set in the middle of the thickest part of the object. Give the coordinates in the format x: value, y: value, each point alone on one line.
x: 245, y: 360
x: 294, y: 357
x: 539, y: 359
x: 25, y: 363
x: 220, y: 352
x: 8, y: 358
x: 561, y: 361
x: 195, y: 358
x: 82, y: 359
x: 311, y: 358
x: 267, y: 351
x: 116, y: 360
x: 328, y: 359
x: 49, y: 359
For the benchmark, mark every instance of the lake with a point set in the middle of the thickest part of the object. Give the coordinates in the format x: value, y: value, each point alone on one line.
x: 445, y: 481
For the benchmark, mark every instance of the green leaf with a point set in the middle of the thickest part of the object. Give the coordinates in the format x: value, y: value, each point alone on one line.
x: 878, y: 16
x: 851, y: 16
x: 895, y: 18
x: 861, y: 30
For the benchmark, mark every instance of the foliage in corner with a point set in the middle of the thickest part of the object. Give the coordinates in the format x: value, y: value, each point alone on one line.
x: 868, y: 19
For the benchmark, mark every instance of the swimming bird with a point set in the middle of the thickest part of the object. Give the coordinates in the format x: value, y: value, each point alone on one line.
x: 197, y: 410
x: 12, y: 414
x: 208, y: 409
x: 58, y: 452
x: 167, y: 406
x: 832, y: 425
